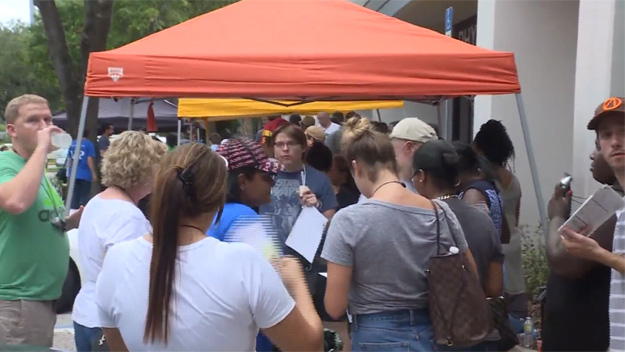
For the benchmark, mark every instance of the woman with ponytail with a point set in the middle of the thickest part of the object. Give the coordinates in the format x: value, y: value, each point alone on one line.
x: 168, y: 290
x: 378, y: 250
x: 492, y: 142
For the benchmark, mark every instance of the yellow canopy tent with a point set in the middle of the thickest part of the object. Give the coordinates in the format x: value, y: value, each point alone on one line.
x: 229, y: 109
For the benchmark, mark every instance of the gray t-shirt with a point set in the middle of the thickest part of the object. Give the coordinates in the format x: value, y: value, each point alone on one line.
x: 480, y: 233
x: 103, y: 143
x: 285, y: 205
x: 389, y: 247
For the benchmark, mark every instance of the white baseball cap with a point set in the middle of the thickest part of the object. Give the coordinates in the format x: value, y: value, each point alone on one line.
x: 414, y: 129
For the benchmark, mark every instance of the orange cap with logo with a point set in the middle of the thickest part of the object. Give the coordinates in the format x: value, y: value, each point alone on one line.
x: 614, y: 105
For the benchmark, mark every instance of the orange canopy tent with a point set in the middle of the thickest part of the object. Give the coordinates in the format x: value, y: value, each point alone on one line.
x: 300, y: 49
x: 303, y: 50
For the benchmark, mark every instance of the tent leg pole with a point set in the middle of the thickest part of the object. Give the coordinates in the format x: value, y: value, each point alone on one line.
x: 441, y: 120
x: 379, y: 117
x: 533, y: 166
x: 75, y: 160
x: 132, y: 113
x: 179, y: 130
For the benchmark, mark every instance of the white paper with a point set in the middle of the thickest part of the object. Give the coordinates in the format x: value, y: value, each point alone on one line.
x: 595, y: 211
x: 307, y: 231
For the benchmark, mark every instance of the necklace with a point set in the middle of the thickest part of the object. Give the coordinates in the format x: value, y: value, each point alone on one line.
x: 388, y: 183
x: 449, y: 196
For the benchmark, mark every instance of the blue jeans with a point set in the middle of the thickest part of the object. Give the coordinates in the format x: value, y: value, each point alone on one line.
x: 403, y: 330
x: 82, y: 193
x: 84, y: 337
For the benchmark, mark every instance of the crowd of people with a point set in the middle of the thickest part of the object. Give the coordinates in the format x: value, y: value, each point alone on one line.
x: 175, y: 278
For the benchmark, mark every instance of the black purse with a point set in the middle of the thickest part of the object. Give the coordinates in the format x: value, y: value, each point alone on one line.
x: 501, y: 319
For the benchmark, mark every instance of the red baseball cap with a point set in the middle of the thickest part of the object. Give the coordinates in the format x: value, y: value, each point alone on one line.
x: 610, y: 106
x: 271, y: 127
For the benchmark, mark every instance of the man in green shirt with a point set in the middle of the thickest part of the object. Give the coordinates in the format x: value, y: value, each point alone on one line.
x: 34, y: 251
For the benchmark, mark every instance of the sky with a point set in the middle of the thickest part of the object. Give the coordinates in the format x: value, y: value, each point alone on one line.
x: 14, y: 10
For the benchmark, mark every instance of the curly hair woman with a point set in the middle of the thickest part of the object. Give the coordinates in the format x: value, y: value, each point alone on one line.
x: 112, y: 217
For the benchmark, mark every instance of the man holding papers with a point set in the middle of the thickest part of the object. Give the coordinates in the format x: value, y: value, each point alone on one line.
x: 609, y: 124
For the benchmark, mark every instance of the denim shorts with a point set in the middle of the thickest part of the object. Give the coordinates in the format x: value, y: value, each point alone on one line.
x: 403, y: 330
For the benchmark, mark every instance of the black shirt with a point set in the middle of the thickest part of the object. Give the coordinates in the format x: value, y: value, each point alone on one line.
x: 576, y: 310
x: 346, y: 197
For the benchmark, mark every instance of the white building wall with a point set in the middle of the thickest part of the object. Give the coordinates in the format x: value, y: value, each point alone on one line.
x: 543, y: 36
x: 599, y: 75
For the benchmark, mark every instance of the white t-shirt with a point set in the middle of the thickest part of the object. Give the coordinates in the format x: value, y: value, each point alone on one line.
x: 332, y: 128
x: 104, y: 223
x: 224, y: 293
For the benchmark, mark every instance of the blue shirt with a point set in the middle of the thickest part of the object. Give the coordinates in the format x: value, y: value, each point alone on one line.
x: 285, y: 205
x: 231, y: 212
x: 87, y: 150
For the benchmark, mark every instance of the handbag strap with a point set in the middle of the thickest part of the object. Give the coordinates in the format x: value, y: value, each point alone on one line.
x: 438, y: 230
x: 451, y: 231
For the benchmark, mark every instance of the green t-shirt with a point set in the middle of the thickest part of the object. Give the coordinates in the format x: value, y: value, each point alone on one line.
x: 34, y: 255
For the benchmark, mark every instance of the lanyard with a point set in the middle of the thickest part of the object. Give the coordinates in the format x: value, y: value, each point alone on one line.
x: 303, y: 176
x: 49, y: 189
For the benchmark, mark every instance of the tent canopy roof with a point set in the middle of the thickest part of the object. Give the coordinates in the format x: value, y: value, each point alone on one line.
x: 300, y: 50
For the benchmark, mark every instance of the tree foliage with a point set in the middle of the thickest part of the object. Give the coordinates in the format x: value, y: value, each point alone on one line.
x: 28, y: 52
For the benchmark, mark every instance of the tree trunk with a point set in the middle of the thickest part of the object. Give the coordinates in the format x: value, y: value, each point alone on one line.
x: 62, y: 62
x: 98, y: 14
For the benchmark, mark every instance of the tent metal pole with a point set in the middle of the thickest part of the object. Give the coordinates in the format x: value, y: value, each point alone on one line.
x: 132, y: 113
x: 441, y: 119
x: 533, y: 166
x: 179, y: 130
x: 72, y: 178
x: 379, y: 117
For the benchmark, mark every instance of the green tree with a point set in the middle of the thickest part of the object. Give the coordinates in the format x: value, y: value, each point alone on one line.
x: 66, y: 31
x: 17, y: 77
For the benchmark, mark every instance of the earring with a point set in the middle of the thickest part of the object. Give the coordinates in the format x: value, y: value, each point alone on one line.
x: 420, y: 181
x: 242, y: 188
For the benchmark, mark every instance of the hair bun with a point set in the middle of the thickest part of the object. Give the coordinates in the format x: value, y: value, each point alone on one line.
x: 450, y: 159
x: 356, y: 128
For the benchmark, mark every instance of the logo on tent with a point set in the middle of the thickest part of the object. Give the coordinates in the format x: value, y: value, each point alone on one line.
x: 116, y: 73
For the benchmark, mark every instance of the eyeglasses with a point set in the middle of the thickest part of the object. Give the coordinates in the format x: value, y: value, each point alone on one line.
x: 289, y: 144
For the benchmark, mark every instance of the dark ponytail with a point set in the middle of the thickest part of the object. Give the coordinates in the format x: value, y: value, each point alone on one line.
x: 190, y: 182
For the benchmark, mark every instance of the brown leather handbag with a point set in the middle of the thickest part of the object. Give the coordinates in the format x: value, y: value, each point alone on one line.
x: 460, y: 313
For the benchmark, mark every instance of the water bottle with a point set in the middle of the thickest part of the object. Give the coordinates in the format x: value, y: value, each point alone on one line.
x: 528, y: 333
x: 61, y: 140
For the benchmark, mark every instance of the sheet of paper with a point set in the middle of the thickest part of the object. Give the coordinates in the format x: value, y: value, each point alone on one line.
x: 307, y: 232
x: 595, y: 211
